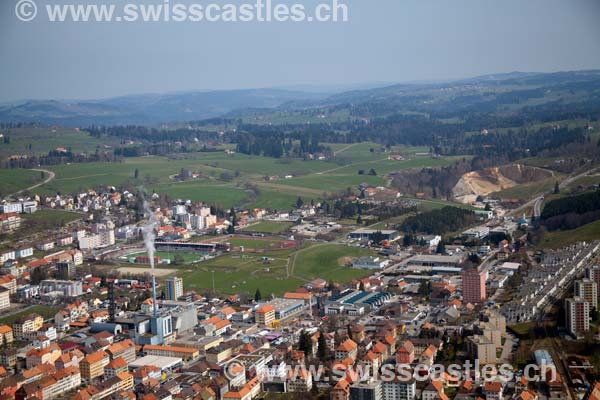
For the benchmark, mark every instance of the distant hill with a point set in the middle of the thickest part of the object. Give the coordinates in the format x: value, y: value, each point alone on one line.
x: 149, y: 109
x: 491, y: 94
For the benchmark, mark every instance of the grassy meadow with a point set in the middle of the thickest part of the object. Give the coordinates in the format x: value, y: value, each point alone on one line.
x: 227, y: 179
x: 557, y: 239
x: 13, y: 180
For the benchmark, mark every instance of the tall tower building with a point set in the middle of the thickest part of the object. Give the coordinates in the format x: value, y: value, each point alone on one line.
x: 593, y: 273
x: 174, y: 288
x: 587, y: 289
x: 65, y: 270
x: 577, y: 316
x: 473, y: 286
x: 366, y: 391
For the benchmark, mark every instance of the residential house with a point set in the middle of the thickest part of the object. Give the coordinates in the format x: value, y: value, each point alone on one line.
x: 433, y: 390
x: 115, y: 367
x: 9, y: 282
x: 405, y: 353
x: 27, y: 323
x: 346, y: 349
x: 6, y: 334
x: 492, y: 390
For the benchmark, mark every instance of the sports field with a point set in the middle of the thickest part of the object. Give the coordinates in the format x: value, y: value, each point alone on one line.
x: 186, y: 258
x: 247, y: 243
x: 274, y: 272
x: 269, y: 227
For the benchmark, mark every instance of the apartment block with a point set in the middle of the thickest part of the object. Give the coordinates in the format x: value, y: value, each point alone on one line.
x: 173, y: 288
x: 265, y: 315
x: 473, y: 286
x: 346, y: 349
x: 577, y: 312
x: 124, y: 349
x: 4, y: 298
x: 399, y: 389
x: 92, y: 365
x: 27, y: 323
x: 587, y: 289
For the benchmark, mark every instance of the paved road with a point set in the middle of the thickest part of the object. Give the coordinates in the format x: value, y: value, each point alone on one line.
x: 537, y: 207
x: 50, y: 177
x: 570, y: 179
x: 487, y: 262
x: 537, y: 201
x: 506, y: 350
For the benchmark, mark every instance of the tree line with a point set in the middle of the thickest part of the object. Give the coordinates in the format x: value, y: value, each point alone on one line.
x: 572, y: 211
x: 439, y: 221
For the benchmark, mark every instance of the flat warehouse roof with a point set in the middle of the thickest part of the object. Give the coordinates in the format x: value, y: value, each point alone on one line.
x: 156, y: 361
x: 438, y: 258
x: 383, y: 231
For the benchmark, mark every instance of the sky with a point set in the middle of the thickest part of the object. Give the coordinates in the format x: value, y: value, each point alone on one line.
x: 383, y: 41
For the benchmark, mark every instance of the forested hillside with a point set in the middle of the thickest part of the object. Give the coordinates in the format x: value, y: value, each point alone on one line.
x: 571, y: 212
x: 446, y: 219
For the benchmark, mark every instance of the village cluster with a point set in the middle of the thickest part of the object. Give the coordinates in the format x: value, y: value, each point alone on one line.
x: 420, y: 304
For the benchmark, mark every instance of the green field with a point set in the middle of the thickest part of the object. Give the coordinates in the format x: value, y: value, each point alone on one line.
x: 269, y: 227
x: 585, y: 181
x: 259, y: 244
x: 557, y: 239
x: 281, y: 200
x: 328, y: 261
x: 187, y: 257
x: 43, y: 220
x: 239, y: 273
x: 55, y: 218
x: 528, y: 190
x: 331, y: 182
x: 225, y: 195
x: 39, y: 141
x: 45, y: 311
x: 13, y: 180
x: 384, y: 166
x: 285, y: 270
x: 226, y: 178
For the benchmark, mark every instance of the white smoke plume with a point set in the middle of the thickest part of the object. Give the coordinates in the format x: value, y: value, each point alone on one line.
x: 149, y: 235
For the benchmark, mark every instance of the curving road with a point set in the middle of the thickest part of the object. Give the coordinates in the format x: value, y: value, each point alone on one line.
x: 537, y: 201
x: 50, y: 177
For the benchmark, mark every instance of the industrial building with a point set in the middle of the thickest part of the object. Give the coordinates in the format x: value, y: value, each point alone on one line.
x: 355, y: 302
x: 367, y: 234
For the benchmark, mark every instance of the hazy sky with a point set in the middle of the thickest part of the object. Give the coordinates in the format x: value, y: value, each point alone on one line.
x: 384, y: 41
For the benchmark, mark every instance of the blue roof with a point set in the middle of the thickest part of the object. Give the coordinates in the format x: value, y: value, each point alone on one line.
x: 543, y: 357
